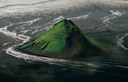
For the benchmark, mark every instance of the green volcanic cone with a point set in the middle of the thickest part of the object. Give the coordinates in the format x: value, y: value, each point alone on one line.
x: 63, y: 40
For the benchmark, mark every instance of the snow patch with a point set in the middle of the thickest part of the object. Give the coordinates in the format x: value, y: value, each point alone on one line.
x: 52, y: 6
x: 5, y: 44
x: 121, y: 40
x: 80, y: 17
x: 114, y: 14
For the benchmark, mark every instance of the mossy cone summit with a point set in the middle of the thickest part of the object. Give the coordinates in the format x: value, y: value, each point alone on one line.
x: 63, y: 40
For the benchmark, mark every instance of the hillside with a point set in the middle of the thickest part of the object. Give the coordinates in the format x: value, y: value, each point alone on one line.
x: 63, y: 40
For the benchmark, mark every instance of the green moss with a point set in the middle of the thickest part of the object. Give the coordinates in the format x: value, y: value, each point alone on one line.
x: 63, y: 40
x: 94, y: 42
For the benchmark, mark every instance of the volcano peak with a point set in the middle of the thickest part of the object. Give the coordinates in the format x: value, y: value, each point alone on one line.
x: 63, y: 40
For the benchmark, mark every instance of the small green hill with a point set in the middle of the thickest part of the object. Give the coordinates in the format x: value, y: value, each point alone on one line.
x: 63, y: 40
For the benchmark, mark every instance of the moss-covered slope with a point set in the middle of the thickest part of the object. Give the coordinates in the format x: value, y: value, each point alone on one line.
x: 63, y: 40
